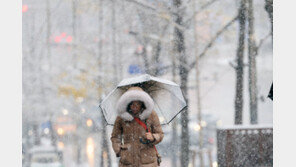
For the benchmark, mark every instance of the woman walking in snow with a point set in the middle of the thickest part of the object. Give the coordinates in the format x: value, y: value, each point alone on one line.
x: 136, y: 130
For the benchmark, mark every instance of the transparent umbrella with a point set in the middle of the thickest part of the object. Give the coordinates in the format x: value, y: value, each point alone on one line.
x: 167, y: 96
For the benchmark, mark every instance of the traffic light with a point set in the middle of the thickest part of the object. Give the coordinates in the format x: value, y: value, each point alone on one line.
x: 58, y: 39
x: 63, y: 34
x: 69, y: 39
x: 63, y: 37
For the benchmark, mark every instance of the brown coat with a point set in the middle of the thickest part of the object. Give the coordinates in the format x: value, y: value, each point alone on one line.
x: 126, y: 143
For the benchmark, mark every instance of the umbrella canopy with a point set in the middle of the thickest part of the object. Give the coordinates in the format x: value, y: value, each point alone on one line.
x: 270, y: 94
x: 167, y: 97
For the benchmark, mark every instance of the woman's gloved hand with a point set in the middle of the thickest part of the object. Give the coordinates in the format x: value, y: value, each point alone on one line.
x: 149, y: 136
x: 118, y: 154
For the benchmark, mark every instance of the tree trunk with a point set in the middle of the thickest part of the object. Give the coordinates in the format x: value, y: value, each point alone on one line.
x: 74, y: 18
x: 36, y: 134
x: 105, y: 147
x: 48, y: 33
x: 156, y: 63
x: 252, y: 66
x: 48, y: 55
x: 53, y: 136
x: 240, y: 64
x: 174, y: 141
x: 99, y: 60
x: 157, y: 68
x: 120, y: 45
x: 179, y: 44
x: 114, y: 47
x: 269, y: 10
x: 199, y: 114
x: 184, y: 121
x: 146, y: 61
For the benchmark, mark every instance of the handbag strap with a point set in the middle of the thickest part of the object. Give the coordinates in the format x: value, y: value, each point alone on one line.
x: 145, y: 127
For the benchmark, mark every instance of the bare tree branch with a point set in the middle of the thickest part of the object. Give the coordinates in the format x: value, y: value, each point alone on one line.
x: 205, y: 6
x: 261, y: 42
x: 232, y: 65
x: 143, y: 5
x: 212, y: 41
x: 161, y: 13
x: 150, y: 36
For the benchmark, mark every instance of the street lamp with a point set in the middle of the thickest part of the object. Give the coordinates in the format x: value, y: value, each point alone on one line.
x: 60, y: 131
x: 89, y: 122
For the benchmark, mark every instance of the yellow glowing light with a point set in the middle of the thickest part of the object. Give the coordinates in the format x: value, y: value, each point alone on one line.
x: 79, y: 99
x: 196, y: 127
x: 61, y: 145
x: 65, y: 112
x: 60, y: 131
x: 203, y: 123
x: 89, y: 122
x: 219, y: 123
x: 215, y: 164
x: 69, y: 90
x: 90, y: 147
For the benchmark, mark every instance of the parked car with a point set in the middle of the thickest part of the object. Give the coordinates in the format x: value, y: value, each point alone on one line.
x: 45, y: 156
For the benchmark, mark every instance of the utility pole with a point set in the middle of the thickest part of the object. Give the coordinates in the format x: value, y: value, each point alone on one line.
x: 199, y: 115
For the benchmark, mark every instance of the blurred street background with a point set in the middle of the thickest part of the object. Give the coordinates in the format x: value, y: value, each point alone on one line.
x: 76, y: 51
